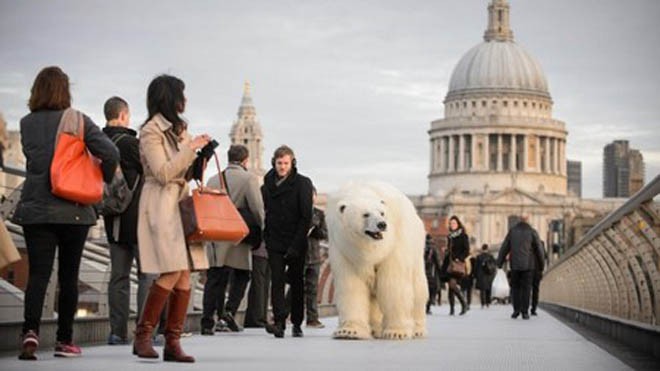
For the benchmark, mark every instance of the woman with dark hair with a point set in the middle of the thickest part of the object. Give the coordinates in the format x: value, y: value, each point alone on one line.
x: 458, y: 248
x: 167, y: 152
x: 51, y: 223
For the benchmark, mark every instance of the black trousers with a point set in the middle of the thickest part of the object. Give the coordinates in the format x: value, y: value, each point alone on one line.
x: 215, y: 290
x: 289, y: 271
x: 521, y: 287
x: 257, y: 307
x: 42, y: 240
x: 484, y: 296
x: 536, y: 283
x: 311, y: 277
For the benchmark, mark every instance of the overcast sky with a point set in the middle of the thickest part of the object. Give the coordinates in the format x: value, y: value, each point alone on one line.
x: 352, y: 86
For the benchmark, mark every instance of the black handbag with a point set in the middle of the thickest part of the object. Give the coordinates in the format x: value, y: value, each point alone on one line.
x: 254, y: 237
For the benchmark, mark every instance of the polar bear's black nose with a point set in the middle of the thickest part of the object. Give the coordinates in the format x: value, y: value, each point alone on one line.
x: 382, y: 226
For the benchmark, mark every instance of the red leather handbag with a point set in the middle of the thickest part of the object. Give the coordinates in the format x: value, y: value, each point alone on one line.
x: 210, y: 215
x: 75, y: 174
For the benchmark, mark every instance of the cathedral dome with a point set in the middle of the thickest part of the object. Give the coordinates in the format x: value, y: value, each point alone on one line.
x: 503, y: 66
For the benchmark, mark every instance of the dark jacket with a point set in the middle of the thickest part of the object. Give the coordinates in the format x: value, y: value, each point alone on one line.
x: 524, y: 244
x: 124, y: 230
x: 288, y: 210
x: 318, y: 233
x: 37, y: 204
x: 432, y: 261
x: 484, y: 279
x: 458, y: 248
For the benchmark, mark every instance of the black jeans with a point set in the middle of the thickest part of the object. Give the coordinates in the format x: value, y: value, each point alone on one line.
x: 521, y: 286
x: 215, y: 291
x: 289, y: 271
x: 42, y: 240
x: 536, y: 283
x: 257, y: 307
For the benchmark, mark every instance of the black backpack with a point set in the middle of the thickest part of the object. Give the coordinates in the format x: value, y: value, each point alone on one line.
x: 117, y: 195
x: 489, y: 266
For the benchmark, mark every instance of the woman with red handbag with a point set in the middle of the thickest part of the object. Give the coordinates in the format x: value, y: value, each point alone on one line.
x: 167, y: 152
x: 53, y: 222
x: 453, y: 266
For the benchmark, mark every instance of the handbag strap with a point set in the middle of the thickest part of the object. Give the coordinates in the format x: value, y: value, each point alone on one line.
x: 223, y: 185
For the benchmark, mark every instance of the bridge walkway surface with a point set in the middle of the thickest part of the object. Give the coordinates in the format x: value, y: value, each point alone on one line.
x: 484, y: 339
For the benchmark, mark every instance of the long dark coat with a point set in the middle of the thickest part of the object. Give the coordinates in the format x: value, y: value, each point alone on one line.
x: 288, y: 210
x: 484, y: 280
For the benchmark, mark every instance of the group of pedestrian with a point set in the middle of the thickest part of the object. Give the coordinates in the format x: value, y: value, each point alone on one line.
x: 157, y: 166
x: 461, y: 271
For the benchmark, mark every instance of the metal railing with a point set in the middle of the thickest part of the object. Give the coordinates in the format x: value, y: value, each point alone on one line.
x: 614, y: 270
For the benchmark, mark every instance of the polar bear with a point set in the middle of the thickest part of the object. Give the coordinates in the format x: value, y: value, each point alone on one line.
x: 377, y: 258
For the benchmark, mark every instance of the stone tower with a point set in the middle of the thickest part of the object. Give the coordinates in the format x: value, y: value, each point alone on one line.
x: 247, y: 131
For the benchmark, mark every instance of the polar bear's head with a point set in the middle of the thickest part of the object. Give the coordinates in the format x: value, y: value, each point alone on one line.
x: 363, y: 217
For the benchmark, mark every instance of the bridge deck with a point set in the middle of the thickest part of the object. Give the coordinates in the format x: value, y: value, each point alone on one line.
x: 481, y: 340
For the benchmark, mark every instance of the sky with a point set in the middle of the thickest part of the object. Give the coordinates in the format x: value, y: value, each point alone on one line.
x: 352, y: 86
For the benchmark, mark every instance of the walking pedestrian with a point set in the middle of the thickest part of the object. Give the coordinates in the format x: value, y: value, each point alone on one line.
x: 524, y: 245
x: 288, y: 204
x: 486, y: 268
x: 458, y: 249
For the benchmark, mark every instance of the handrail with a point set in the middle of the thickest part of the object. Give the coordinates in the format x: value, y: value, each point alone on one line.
x: 650, y: 191
x: 614, y: 270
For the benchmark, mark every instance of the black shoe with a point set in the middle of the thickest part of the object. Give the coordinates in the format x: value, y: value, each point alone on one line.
x: 275, y: 329
x: 231, y: 323
x: 207, y: 331
x: 515, y: 315
x: 296, y: 331
x: 463, y: 311
x: 525, y: 316
x: 533, y: 313
x: 451, y: 311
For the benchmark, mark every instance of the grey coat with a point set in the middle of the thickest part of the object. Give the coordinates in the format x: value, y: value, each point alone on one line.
x: 244, y: 191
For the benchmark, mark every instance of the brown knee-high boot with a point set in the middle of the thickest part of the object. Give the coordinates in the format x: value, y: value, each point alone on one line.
x: 153, y: 306
x: 176, y: 315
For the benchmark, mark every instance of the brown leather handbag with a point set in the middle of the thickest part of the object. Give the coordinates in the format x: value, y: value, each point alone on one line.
x: 210, y: 215
x: 75, y: 174
x: 457, y: 268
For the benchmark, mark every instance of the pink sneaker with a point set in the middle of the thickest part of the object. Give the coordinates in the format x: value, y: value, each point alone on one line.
x: 29, y: 346
x: 69, y: 350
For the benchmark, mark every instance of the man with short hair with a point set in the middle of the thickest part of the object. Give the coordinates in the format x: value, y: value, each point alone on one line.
x: 524, y: 245
x: 225, y: 258
x: 121, y: 230
x: 288, y: 204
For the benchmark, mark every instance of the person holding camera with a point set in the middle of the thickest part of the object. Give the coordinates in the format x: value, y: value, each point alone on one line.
x: 226, y: 258
x: 168, y: 153
x: 288, y: 206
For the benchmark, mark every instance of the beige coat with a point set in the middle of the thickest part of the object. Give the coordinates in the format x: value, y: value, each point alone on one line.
x: 8, y: 252
x: 165, y: 159
x: 244, y: 191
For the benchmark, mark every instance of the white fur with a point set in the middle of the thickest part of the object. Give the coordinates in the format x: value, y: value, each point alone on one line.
x: 380, y: 285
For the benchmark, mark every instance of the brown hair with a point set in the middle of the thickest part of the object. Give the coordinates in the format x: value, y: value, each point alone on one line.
x: 50, y: 90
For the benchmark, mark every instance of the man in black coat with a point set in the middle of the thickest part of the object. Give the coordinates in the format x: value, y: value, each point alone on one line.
x: 523, y: 244
x: 121, y: 230
x: 288, y: 205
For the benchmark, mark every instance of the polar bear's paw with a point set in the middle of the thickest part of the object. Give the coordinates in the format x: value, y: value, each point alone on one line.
x: 419, y: 332
x: 351, y: 332
x: 396, y: 334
